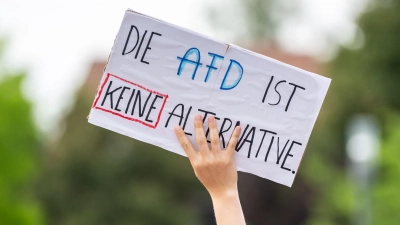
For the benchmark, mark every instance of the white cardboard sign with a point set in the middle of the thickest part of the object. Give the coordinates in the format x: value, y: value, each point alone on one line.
x: 160, y: 75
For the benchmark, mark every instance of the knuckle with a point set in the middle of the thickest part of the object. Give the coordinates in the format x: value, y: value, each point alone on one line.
x: 185, y: 146
x: 214, y: 142
x: 195, y: 165
x: 227, y: 161
x: 201, y: 141
x: 207, y: 162
x: 222, y: 163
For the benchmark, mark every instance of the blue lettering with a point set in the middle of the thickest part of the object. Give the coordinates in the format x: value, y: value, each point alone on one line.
x: 185, y: 60
x: 225, y: 86
x: 211, y: 67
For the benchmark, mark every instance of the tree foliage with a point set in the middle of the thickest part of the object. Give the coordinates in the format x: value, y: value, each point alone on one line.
x: 19, y: 155
x: 365, y: 80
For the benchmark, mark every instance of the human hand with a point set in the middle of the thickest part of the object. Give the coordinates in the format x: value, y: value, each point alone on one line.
x: 214, y: 167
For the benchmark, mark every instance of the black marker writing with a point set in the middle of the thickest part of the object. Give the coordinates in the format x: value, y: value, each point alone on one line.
x: 124, y: 51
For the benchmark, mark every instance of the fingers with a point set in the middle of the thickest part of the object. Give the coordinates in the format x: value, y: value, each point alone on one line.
x: 185, y: 143
x: 234, y: 139
x: 200, y: 136
x: 212, y: 126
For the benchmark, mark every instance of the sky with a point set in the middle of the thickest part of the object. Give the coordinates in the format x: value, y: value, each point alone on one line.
x: 55, y: 42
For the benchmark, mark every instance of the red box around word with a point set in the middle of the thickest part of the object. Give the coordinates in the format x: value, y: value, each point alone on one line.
x: 124, y: 116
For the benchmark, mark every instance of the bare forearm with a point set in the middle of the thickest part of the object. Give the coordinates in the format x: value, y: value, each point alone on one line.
x: 227, y: 208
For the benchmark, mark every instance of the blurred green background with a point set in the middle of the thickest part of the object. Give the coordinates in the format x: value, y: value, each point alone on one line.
x: 88, y: 175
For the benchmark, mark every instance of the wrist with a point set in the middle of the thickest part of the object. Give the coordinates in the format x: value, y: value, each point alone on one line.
x: 225, y: 194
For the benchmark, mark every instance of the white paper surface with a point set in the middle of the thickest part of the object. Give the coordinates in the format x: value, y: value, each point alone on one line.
x: 145, y: 92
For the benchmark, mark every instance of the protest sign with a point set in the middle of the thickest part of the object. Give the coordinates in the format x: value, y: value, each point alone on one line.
x: 160, y: 75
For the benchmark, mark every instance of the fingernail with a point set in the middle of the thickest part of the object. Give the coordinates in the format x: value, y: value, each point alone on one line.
x: 177, y: 128
x: 197, y: 117
x: 211, y: 119
x: 238, y: 129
